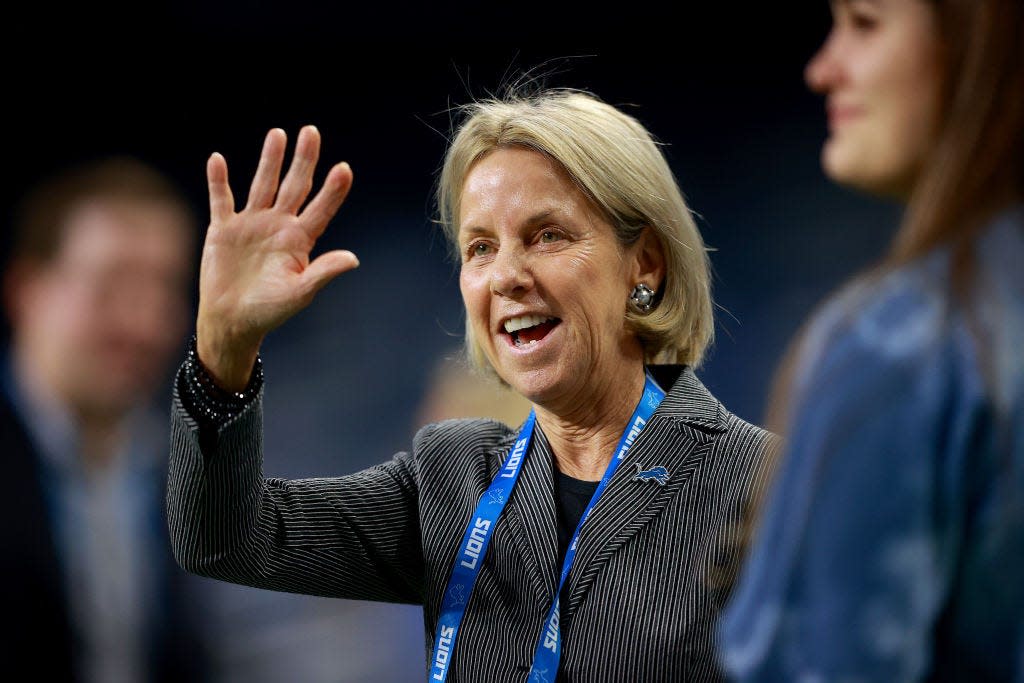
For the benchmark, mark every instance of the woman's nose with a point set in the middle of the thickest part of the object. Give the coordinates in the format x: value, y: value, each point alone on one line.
x: 510, y: 272
x: 822, y: 70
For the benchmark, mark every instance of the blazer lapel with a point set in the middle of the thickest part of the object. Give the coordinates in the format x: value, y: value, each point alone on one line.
x: 530, y: 513
x: 678, y: 438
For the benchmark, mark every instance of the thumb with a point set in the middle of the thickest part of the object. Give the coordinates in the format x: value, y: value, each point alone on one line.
x: 328, y: 266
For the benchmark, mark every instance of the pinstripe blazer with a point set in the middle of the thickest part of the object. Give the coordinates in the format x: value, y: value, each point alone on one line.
x: 653, y: 565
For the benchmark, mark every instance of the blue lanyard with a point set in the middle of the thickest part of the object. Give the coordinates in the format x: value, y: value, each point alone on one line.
x: 474, y: 542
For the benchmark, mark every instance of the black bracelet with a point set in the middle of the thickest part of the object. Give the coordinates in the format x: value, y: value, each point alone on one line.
x: 207, y: 402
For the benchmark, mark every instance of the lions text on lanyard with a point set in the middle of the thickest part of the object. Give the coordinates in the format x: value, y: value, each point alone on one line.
x: 478, y: 532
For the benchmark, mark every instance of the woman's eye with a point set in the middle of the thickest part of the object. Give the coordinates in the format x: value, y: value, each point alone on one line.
x: 863, y: 22
x: 550, y: 236
x: 479, y: 249
x: 862, y: 16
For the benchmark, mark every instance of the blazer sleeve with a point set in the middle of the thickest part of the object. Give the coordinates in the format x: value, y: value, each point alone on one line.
x: 355, y: 536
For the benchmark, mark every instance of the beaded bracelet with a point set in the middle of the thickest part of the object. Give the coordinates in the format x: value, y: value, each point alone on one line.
x: 204, y: 400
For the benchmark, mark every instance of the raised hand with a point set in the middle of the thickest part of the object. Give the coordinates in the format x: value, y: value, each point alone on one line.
x: 255, y: 271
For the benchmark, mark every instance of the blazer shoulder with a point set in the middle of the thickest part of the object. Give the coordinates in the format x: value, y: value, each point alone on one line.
x: 739, y: 427
x: 748, y: 441
x: 462, y: 439
x: 20, y: 457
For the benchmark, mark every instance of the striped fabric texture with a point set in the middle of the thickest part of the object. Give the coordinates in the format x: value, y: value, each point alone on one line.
x: 653, y: 568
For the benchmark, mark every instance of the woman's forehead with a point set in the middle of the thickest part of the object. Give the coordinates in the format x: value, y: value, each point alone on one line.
x: 527, y: 185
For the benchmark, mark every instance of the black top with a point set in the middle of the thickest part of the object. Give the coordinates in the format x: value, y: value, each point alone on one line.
x: 571, y: 498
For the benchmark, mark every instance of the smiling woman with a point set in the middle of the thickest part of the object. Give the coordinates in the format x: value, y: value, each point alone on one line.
x: 535, y: 555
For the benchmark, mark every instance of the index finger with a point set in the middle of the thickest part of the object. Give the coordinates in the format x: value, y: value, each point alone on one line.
x: 319, y: 212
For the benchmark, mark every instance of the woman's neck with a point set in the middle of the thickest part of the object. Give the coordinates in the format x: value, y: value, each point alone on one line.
x: 583, y: 439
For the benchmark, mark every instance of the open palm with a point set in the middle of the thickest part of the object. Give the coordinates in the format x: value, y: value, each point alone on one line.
x: 256, y: 270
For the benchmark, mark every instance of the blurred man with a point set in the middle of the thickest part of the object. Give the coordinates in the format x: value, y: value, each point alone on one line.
x: 97, y: 296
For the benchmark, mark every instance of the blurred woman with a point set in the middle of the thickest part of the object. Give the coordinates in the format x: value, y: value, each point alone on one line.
x: 891, y: 545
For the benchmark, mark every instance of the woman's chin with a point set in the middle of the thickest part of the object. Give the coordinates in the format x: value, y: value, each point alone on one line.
x: 533, y: 385
x: 541, y: 386
x: 837, y: 164
x: 878, y: 175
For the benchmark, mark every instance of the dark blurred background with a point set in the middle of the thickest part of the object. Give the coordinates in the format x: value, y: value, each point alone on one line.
x: 721, y: 86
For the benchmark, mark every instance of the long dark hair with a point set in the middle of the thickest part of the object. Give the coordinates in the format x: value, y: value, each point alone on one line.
x: 977, y: 164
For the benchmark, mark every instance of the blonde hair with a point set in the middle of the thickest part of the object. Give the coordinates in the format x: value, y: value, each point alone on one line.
x: 616, y: 163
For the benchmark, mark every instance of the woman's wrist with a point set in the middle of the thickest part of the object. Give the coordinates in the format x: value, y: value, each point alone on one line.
x: 205, y: 398
x: 229, y: 363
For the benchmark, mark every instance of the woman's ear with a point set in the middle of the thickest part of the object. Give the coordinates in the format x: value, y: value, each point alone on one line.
x: 649, y: 260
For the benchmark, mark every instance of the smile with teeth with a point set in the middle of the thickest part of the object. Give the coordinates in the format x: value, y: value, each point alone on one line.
x: 529, y: 329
